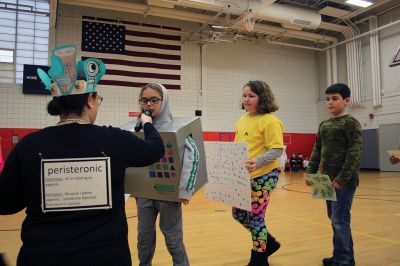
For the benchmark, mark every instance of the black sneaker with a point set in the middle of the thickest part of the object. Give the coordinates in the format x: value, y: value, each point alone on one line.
x: 273, y: 248
x: 2, y: 260
x: 272, y: 245
x: 331, y: 262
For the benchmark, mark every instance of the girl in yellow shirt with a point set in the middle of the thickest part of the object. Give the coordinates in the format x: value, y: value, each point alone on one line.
x: 263, y: 132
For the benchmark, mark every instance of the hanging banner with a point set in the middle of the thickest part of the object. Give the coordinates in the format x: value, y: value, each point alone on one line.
x: 31, y: 81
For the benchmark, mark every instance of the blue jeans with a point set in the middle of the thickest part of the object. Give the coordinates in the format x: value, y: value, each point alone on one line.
x: 339, y: 214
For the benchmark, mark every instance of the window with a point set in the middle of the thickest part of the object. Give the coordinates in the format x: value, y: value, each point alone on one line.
x: 6, y: 56
x: 7, y: 66
x: 24, y: 30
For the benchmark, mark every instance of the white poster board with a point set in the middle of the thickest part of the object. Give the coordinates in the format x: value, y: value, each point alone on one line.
x: 228, y: 179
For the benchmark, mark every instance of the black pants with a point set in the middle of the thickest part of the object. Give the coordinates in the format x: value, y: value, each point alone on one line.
x: 2, y: 260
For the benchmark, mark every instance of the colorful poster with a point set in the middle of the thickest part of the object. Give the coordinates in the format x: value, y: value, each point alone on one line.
x: 321, y: 187
x: 228, y: 179
x: 161, y: 180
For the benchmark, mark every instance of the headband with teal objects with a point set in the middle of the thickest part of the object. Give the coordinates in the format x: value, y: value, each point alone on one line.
x: 66, y: 77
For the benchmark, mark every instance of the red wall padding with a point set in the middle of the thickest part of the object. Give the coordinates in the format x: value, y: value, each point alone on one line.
x: 6, y: 135
x: 295, y: 142
x: 299, y: 142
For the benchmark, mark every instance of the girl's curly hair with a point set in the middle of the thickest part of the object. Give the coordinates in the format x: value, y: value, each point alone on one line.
x: 267, y: 102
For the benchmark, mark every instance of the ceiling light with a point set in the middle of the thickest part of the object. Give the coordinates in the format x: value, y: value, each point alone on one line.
x: 361, y: 3
x: 218, y: 27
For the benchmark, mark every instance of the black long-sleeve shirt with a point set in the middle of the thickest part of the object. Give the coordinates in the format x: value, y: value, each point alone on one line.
x: 87, y: 237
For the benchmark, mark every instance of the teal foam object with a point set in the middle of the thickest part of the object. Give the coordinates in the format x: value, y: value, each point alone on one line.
x: 92, y: 69
x: 45, y: 78
x: 64, y: 73
x: 63, y: 68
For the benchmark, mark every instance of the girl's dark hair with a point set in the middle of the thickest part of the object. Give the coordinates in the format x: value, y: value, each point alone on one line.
x: 71, y: 104
x: 267, y: 102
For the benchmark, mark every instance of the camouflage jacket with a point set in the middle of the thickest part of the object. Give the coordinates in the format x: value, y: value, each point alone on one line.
x: 337, y: 150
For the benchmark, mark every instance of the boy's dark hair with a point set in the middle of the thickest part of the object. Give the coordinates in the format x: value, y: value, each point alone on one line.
x: 267, y: 102
x: 340, y: 88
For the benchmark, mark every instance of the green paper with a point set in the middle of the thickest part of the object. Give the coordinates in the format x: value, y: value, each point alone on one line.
x: 164, y: 188
x: 321, y: 187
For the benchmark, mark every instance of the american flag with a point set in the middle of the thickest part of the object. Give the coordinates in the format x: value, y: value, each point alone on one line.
x: 135, y: 54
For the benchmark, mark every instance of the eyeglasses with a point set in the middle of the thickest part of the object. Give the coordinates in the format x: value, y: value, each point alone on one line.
x: 101, y: 99
x: 152, y: 100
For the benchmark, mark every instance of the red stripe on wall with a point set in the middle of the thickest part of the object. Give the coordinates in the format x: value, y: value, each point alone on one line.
x: 295, y: 142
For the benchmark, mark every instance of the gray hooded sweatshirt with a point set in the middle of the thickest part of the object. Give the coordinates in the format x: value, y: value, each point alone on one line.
x: 190, y: 166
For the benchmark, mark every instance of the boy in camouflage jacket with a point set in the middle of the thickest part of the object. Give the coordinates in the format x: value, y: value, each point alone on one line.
x: 337, y: 153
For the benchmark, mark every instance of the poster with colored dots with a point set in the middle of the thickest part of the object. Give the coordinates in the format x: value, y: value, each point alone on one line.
x: 228, y: 179
x: 161, y: 180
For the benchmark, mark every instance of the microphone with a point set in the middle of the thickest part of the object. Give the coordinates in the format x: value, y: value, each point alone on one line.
x: 138, y: 126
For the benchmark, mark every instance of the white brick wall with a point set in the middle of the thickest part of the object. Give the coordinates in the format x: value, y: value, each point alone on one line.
x: 19, y: 110
x: 293, y: 74
x: 389, y: 112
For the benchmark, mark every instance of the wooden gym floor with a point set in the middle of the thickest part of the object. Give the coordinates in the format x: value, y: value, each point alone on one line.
x: 213, y: 238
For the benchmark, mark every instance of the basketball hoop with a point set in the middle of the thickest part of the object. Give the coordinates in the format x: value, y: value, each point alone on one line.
x: 248, y: 24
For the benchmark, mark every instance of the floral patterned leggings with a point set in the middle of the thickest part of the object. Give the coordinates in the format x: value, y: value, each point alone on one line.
x: 254, y: 221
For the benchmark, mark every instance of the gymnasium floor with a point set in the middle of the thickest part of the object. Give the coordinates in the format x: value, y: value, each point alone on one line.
x: 213, y: 238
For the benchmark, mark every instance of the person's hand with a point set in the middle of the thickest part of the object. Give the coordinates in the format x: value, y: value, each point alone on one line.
x: 336, y: 185
x: 394, y: 159
x: 307, y: 181
x: 251, y: 165
x: 145, y: 119
x: 185, y: 201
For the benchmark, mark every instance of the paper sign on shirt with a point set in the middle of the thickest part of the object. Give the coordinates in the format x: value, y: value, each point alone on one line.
x: 76, y: 184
